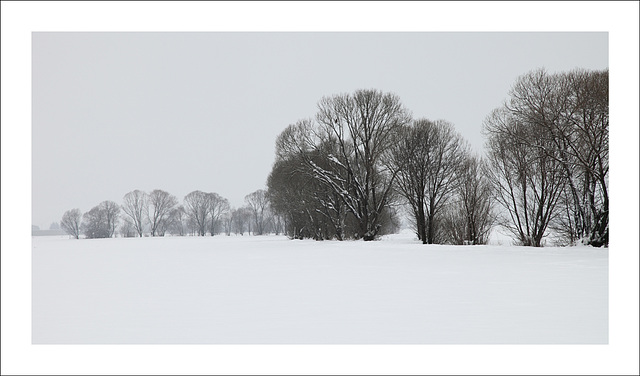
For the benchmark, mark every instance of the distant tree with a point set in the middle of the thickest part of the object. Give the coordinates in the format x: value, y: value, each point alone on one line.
x: 216, y: 206
x: 160, y: 205
x: 54, y: 226
x: 227, y: 221
x: 136, y: 208
x: 70, y: 222
x: 196, y: 205
x: 94, y: 224
x: 241, y: 220
x: 276, y: 223
x: 127, y: 230
x: 258, y: 202
x: 177, y: 221
x: 112, y: 216
x: 101, y: 221
x: 471, y: 215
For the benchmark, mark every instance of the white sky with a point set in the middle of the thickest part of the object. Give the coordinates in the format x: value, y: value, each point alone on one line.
x: 21, y: 19
x: 113, y: 112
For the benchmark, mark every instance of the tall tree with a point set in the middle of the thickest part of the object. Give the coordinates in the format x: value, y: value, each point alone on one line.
x: 561, y: 120
x: 527, y: 181
x: 581, y: 136
x: 361, y: 126
x: 429, y: 157
x: 136, y: 208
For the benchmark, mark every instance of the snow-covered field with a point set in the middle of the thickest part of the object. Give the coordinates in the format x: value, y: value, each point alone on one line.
x: 271, y: 290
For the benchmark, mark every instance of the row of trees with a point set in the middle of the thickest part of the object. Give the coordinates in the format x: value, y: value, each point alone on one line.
x: 362, y: 161
x: 158, y: 212
x: 349, y: 171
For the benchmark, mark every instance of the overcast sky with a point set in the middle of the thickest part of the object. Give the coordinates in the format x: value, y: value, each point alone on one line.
x: 113, y: 112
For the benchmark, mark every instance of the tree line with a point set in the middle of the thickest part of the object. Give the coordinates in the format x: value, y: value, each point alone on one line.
x: 158, y: 212
x: 350, y: 171
x: 362, y: 162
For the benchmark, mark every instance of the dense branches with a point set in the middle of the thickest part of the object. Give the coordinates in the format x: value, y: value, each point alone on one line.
x: 196, y: 206
x: 360, y: 128
x: 338, y: 176
x: 258, y: 203
x: 217, y: 206
x: 429, y: 157
x: 70, y: 222
x: 136, y: 208
x: 101, y: 221
x: 160, y: 204
x: 548, y: 149
x: 471, y: 216
x: 336, y: 166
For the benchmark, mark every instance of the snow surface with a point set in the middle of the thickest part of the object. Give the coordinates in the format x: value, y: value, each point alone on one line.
x: 272, y: 290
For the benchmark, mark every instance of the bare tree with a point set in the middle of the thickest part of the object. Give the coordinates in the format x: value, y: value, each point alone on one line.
x: 336, y: 168
x: 177, y: 221
x: 136, y: 207
x: 277, y: 223
x: 112, y: 215
x: 429, y: 157
x: 581, y: 138
x: 196, y: 205
x: 471, y: 216
x: 257, y: 202
x: 101, y: 221
x: 241, y: 220
x: 306, y: 206
x: 527, y: 181
x: 217, y: 206
x: 160, y: 205
x: 94, y: 224
x: 561, y: 121
x: 227, y: 221
x: 71, y: 222
x: 361, y: 126
x: 127, y: 230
